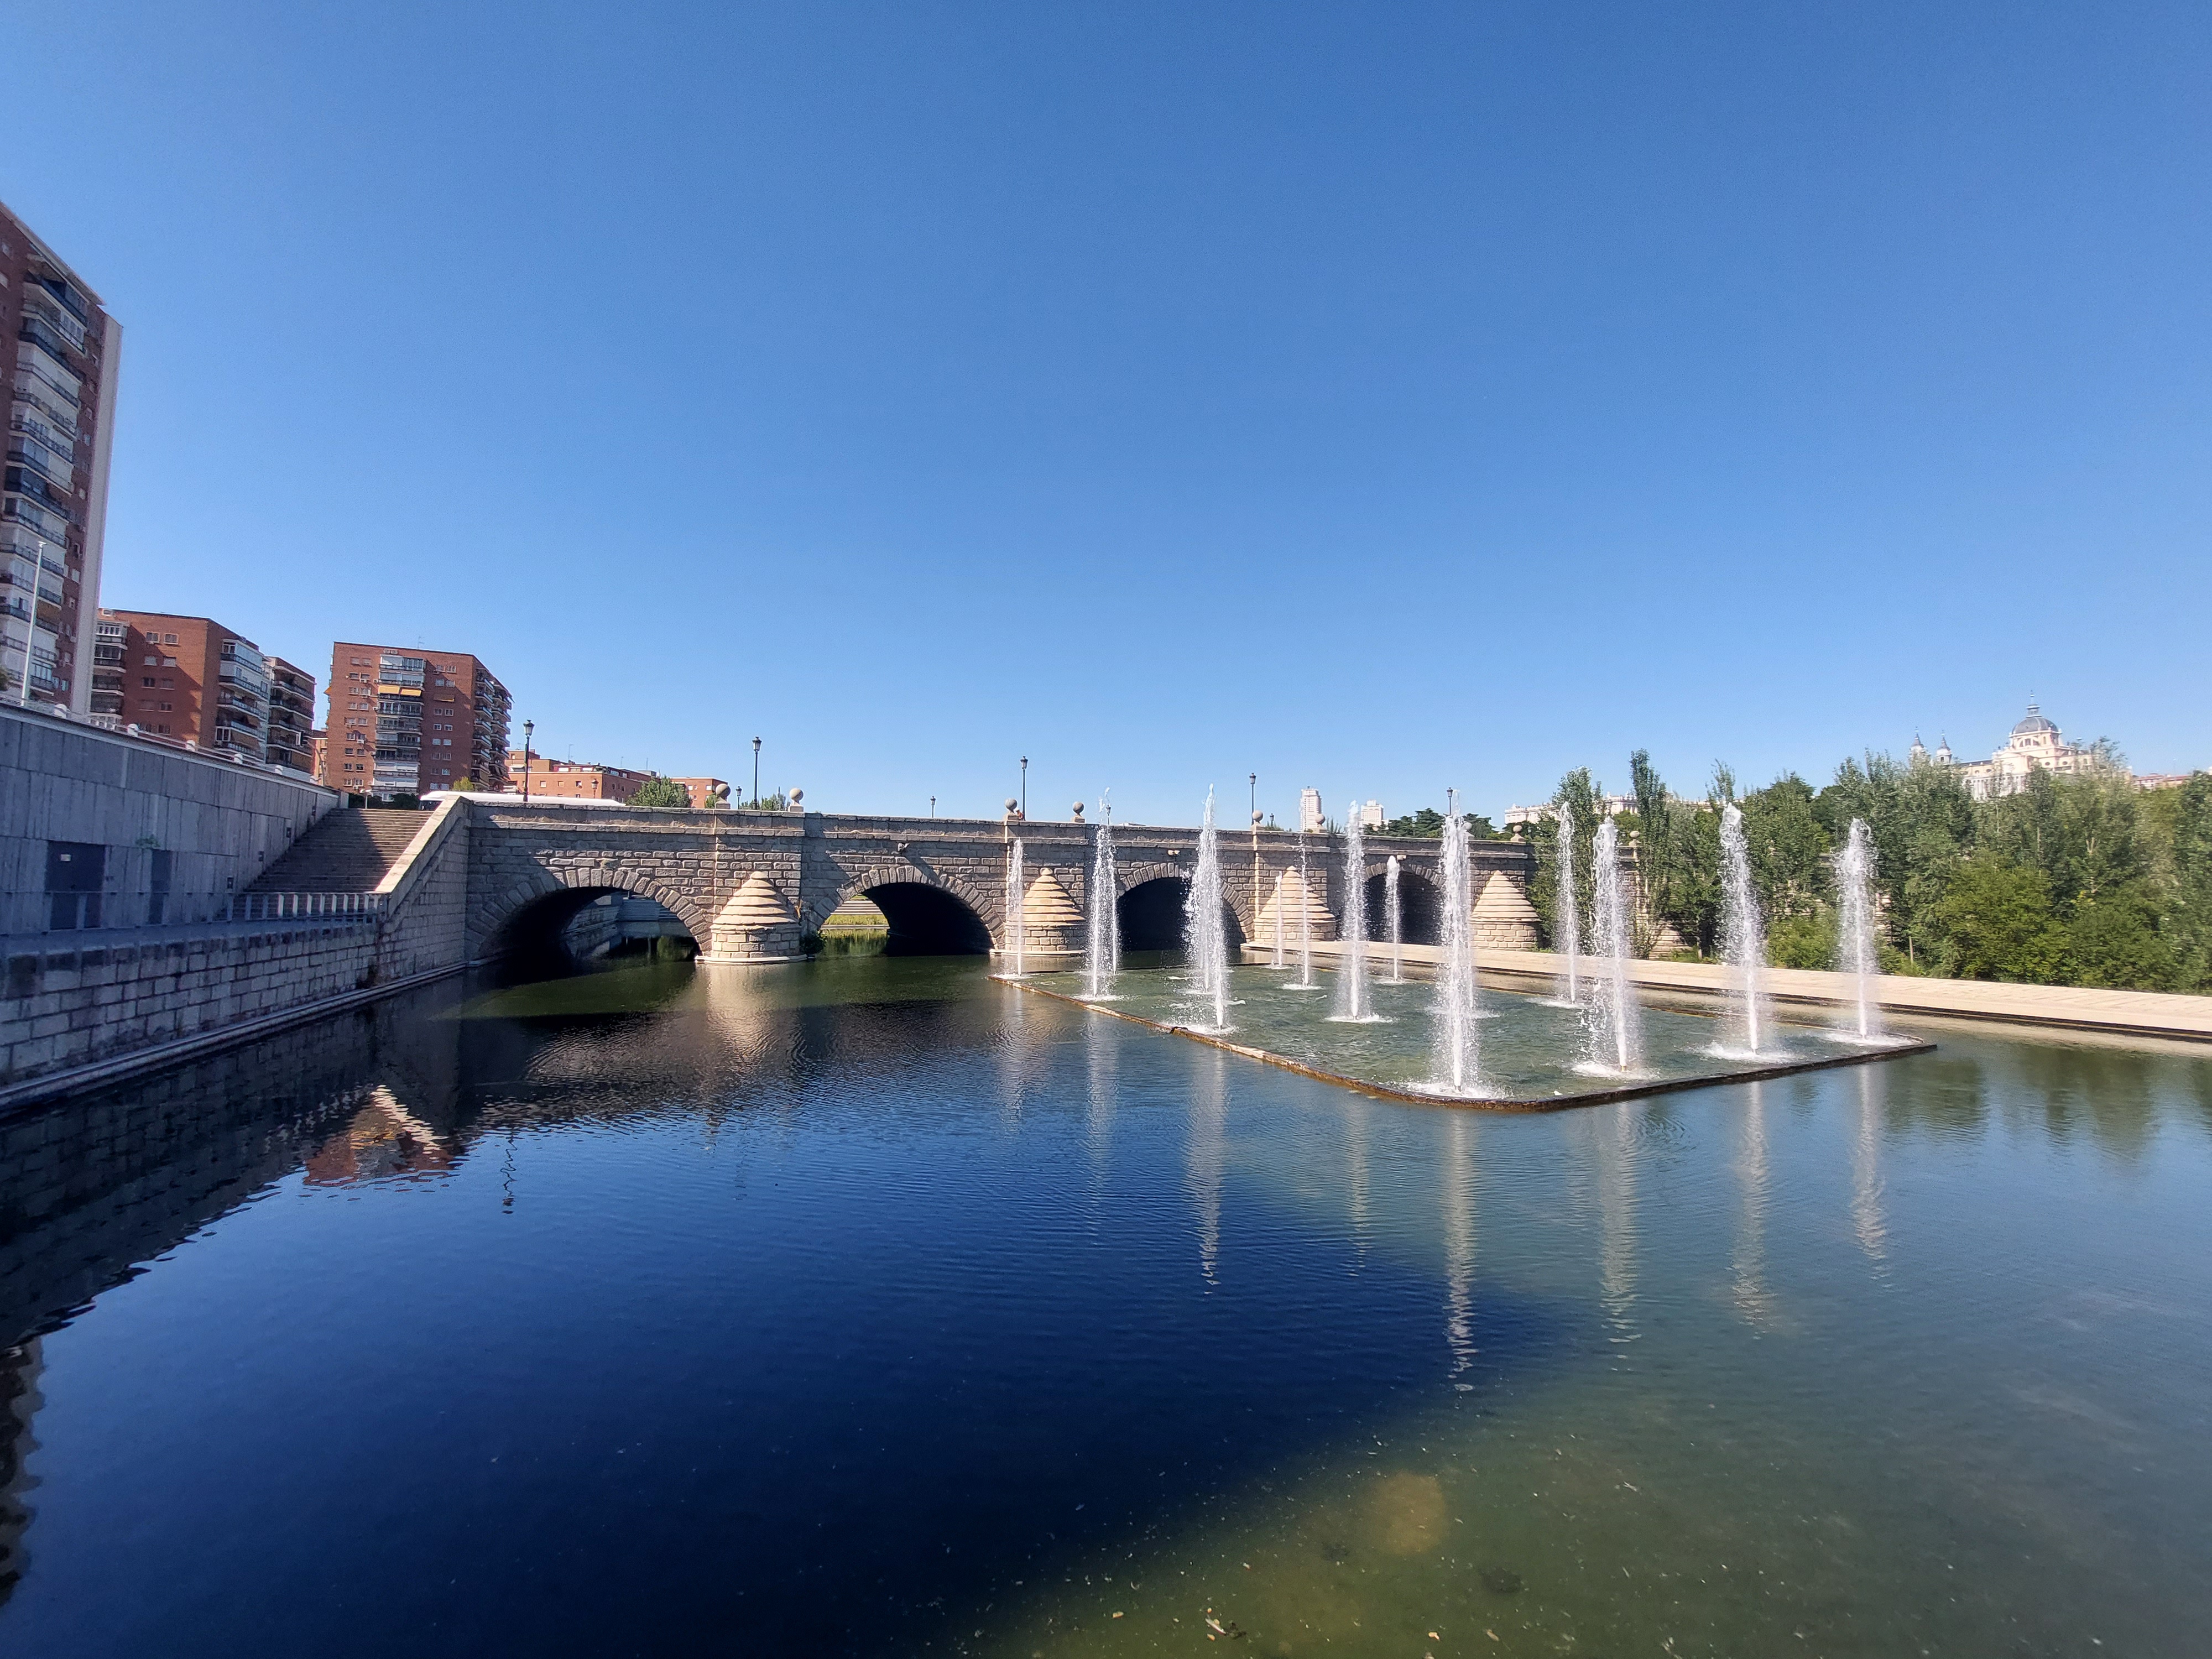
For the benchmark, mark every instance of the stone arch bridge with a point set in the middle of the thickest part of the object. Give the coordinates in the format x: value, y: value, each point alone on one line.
x: 748, y: 886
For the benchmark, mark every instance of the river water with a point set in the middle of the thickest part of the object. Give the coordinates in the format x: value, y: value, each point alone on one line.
x: 875, y: 1307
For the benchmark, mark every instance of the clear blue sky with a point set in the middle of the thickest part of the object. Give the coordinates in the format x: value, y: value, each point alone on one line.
x: 1375, y: 397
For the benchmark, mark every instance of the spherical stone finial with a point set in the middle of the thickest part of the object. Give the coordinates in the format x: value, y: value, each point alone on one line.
x: 1078, y: 810
x: 1012, y: 803
x: 1258, y: 817
x: 797, y: 794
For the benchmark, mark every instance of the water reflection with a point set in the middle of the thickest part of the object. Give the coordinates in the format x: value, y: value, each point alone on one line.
x: 1206, y: 1151
x: 1356, y: 1110
x: 384, y: 1141
x: 1616, y: 1130
x: 895, y: 1345
x: 1459, y: 1243
x: 1099, y: 1039
x: 1868, y: 1221
x: 1755, y: 1301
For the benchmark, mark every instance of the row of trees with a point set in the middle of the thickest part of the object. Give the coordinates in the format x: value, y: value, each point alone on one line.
x: 2074, y: 880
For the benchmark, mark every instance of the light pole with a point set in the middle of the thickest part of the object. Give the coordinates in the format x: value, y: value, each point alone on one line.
x: 932, y: 806
x: 754, y: 802
x: 1025, y: 788
x: 528, y: 726
x: 1253, y: 801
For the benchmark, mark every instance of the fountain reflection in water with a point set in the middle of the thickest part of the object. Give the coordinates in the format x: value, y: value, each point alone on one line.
x: 1743, y: 935
x: 1278, y: 963
x: 1391, y: 902
x: 1102, y: 948
x: 1616, y: 1034
x: 1459, y: 1246
x: 1352, y: 954
x: 1855, y: 925
x: 1456, y: 983
x: 1017, y: 933
x: 1567, y: 907
x: 1205, y: 936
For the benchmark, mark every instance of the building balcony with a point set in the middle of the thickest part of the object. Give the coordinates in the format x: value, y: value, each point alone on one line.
x: 42, y: 307
x: 64, y: 411
x: 40, y: 332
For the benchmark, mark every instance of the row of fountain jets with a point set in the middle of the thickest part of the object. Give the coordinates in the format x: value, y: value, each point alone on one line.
x: 1595, y: 980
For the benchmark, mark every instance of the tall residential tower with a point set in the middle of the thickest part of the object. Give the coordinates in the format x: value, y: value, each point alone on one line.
x: 406, y: 722
x: 63, y: 351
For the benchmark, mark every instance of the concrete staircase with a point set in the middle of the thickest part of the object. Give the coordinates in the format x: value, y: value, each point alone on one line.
x: 349, y: 851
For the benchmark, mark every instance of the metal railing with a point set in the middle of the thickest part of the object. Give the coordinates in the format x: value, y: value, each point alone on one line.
x: 107, y: 911
x: 302, y: 907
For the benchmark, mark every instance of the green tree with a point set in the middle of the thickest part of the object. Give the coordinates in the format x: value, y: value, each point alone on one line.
x: 1428, y: 821
x: 1804, y: 941
x: 1789, y: 849
x: 2081, y: 832
x: 1924, y: 824
x: 657, y: 791
x: 2114, y: 941
x: 1996, y: 922
x: 2184, y: 816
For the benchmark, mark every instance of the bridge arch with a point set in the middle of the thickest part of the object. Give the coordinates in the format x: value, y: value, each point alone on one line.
x: 1152, y: 904
x: 523, y: 922
x: 1421, y: 900
x: 930, y: 913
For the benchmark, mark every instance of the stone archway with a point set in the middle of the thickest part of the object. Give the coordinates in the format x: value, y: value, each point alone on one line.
x: 525, y: 924
x: 929, y: 912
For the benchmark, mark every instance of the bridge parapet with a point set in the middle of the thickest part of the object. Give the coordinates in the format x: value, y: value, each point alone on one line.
x: 750, y: 886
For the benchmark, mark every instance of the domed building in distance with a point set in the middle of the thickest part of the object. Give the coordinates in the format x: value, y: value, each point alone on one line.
x: 2036, y: 745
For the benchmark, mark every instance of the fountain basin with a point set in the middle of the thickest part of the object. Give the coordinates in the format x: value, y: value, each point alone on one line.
x: 1532, y: 1051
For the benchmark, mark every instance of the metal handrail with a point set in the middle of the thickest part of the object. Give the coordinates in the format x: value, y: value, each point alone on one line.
x: 61, y: 915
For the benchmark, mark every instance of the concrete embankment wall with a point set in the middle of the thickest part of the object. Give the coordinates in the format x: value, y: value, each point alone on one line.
x: 216, y: 825
x: 2135, y: 1013
x: 82, y: 1007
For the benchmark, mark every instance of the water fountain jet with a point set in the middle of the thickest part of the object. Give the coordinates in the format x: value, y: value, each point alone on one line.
x: 1102, y: 951
x: 1455, y: 1040
x: 1616, y: 1033
x: 1352, y: 953
x: 1390, y: 903
x: 1206, y: 937
x: 1567, y: 907
x: 1743, y: 934
x: 1017, y: 932
x: 1854, y: 926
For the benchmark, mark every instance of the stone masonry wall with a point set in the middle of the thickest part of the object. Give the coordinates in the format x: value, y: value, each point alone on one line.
x: 77, y: 998
x: 221, y: 823
x: 68, y: 1006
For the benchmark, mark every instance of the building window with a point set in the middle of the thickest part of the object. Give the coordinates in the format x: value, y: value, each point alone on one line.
x: 148, y: 682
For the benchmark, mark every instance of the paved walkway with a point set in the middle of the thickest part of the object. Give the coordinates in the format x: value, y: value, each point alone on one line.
x: 2145, y: 1013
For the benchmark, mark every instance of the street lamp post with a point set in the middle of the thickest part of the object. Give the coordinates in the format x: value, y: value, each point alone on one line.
x: 528, y: 726
x: 1253, y: 801
x: 754, y: 802
x: 1025, y: 788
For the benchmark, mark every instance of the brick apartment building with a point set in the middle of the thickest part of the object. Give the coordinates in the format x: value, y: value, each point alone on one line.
x: 588, y: 780
x: 405, y: 722
x: 559, y: 780
x: 53, y: 511
x: 194, y: 680
x: 292, y: 718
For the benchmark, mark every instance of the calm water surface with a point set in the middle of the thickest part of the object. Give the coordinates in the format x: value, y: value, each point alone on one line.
x: 875, y: 1307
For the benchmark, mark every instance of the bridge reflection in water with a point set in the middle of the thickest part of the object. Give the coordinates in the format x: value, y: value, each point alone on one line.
x: 731, y: 1262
